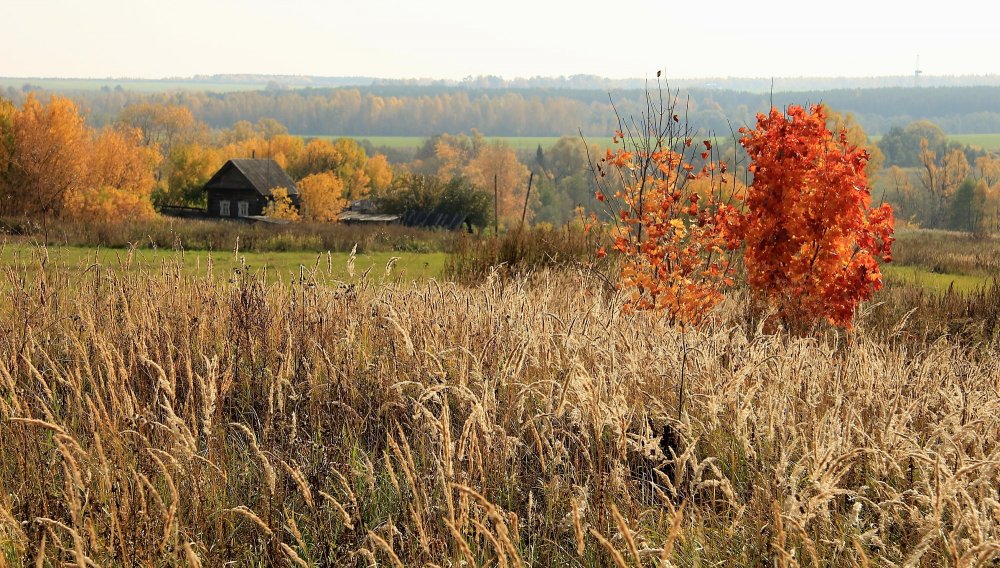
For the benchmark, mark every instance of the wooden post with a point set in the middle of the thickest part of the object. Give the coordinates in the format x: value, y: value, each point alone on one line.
x: 524, y: 213
x: 496, y: 207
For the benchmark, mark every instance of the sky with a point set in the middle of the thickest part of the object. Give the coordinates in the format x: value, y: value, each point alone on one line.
x: 453, y: 39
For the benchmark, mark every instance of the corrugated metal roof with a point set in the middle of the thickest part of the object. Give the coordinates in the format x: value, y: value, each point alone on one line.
x: 356, y: 217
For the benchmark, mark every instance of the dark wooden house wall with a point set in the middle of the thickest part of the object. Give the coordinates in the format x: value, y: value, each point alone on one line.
x: 256, y: 202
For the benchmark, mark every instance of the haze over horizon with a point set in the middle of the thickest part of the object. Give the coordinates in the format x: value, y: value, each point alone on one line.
x: 450, y: 39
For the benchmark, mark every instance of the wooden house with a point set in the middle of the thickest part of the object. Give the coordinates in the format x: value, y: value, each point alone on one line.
x: 242, y: 188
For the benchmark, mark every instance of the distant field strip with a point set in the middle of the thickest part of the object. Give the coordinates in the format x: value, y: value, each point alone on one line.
x: 139, y: 85
x: 984, y: 141
x: 414, y: 142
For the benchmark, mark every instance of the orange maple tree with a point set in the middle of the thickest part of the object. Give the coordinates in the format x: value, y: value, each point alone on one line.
x: 670, y: 230
x: 812, y: 239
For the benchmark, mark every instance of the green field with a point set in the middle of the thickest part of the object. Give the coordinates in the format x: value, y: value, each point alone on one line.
x: 934, y: 281
x: 275, y: 266
x: 984, y: 141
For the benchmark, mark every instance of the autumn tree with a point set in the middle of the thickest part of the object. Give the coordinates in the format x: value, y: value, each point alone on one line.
x: 856, y: 136
x: 240, y: 130
x: 53, y: 165
x: 901, y: 146
x: 351, y: 168
x: 189, y: 167
x: 672, y: 240
x: 812, y: 240
x: 675, y: 246
x: 321, y: 196
x: 444, y: 155
x: 47, y: 158
x: 282, y: 148
x: 497, y: 163
x: 379, y: 172
x: 119, y: 179
x: 988, y: 169
x: 162, y: 125
x: 319, y: 155
x: 941, y: 178
x: 269, y: 128
x: 281, y: 206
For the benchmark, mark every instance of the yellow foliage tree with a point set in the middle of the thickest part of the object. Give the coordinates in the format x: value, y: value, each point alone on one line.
x: 48, y: 157
x: 498, y: 161
x: 322, y: 197
x: 161, y: 125
x: 318, y: 156
x: 281, y: 206
x: 988, y: 169
x: 52, y: 164
x: 379, y: 172
x: 282, y: 148
x: 856, y: 136
x: 119, y: 180
x: 189, y: 167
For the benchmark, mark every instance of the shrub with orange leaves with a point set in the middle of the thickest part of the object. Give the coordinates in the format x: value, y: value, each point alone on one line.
x: 670, y: 219
x: 812, y: 240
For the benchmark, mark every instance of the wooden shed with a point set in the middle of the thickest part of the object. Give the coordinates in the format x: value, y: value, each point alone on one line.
x: 242, y: 188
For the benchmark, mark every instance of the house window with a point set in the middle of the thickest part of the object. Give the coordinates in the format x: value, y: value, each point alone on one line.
x: 244, y: 208
x: 223, y: 209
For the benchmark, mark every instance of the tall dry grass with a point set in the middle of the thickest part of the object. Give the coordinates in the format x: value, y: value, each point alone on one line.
x: 156, y: 419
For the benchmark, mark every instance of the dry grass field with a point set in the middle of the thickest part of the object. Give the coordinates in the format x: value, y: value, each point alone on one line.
x: 161, y: 419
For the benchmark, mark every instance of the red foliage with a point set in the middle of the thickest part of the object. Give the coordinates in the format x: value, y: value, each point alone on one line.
x: 812, y: 240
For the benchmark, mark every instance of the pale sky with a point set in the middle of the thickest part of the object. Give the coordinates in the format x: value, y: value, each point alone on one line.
x: 451, y: 39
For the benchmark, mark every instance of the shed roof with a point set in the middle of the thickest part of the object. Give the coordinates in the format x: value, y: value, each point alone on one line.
x: 262, y: 174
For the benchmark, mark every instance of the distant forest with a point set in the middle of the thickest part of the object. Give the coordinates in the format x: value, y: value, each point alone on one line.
x: 401, y: 109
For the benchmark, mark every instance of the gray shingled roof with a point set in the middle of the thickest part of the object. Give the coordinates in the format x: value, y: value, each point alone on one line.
x: 264, y: 175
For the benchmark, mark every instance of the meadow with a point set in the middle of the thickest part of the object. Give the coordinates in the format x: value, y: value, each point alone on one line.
x: 152, y: 414
x: 273, y: 266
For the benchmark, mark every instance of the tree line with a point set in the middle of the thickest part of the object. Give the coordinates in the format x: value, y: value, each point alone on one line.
x: 425, y: 110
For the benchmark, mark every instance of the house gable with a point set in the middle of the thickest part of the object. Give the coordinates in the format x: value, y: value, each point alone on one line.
x: 261, y: 176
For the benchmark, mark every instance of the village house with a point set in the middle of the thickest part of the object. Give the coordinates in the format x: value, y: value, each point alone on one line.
x: 242, y: 188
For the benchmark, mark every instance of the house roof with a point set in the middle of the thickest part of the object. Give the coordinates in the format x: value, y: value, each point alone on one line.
x: 262, y: 174
x: 357, y: 217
